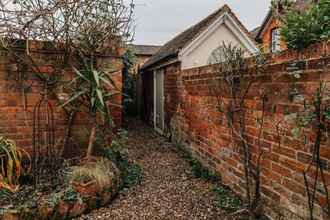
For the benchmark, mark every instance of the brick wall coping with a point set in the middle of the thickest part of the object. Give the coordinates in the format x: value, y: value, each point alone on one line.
x: 307, y: 59
x: 48, y: 47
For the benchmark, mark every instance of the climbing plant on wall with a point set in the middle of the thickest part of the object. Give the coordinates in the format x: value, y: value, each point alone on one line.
x: 129, y: 60
x: 236, y: 80
x: 315, y: 118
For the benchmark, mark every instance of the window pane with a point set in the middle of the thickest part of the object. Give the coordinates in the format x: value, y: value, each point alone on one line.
x: 276, y: 40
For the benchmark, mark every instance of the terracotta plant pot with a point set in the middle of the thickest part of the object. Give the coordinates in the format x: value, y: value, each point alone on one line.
x: 62, y: 210
x: 10, y: 215
x: 77, y: 209
x: 45, y: 212
x: 106, y: 198
x: 85, y: 189
x: 95, y: 192
x: 89, y: 160
x: 89, y: 191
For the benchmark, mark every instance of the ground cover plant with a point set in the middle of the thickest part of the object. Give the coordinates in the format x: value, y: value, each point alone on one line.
x: 226, y: 199
x: 118, y: 153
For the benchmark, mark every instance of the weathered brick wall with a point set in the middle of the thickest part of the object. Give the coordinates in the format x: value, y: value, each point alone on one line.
x: 16, y: 107
x: 193, y: 120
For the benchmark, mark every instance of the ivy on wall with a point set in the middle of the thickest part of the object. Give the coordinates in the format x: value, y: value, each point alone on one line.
x: 129, y: 60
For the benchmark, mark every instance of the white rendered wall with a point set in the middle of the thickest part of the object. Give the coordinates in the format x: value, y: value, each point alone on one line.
x: 200, y: 55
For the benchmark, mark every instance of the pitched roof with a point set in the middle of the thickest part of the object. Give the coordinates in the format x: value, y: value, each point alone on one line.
x: 255, y: 32
x: 264, y: 24
x: 299, y: 5
x: 173, y: 47
x: 145, y: 50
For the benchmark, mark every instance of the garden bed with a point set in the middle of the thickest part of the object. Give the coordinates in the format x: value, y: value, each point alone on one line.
x: 86, y: 186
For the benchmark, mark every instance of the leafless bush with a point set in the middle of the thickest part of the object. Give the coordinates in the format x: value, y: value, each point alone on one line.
x: 86, y: 25
x: 237, y: 75
x: 81, y: 29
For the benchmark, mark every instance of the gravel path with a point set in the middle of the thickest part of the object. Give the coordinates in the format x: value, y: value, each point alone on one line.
x: 167, y: 191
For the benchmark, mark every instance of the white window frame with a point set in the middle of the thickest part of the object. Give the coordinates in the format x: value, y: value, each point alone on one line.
x: 155, y: 72
x: 275, y: 40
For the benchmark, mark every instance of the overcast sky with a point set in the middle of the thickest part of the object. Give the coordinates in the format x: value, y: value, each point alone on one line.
x: 157, y: 21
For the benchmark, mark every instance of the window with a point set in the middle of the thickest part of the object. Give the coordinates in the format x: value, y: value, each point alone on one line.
x: 276, y: 40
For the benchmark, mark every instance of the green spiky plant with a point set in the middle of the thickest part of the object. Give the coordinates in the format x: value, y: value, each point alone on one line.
x: 104, y: 25
x: 94, y: 92
x: 10, y: 164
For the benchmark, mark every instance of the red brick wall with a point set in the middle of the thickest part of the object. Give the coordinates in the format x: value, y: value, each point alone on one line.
x: 192, y: 119
x: 16, y: 121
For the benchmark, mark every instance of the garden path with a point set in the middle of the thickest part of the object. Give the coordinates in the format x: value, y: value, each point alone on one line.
x: 167, y: 191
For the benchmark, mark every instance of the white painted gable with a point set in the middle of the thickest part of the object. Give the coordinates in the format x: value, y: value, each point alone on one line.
x: 224, y: 29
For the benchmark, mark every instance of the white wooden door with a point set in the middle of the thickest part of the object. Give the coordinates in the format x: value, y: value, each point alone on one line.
x: 159, y: 100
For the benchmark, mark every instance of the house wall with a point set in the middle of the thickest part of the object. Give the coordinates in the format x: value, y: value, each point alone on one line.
x: 138, y: 83
x: 267, y: 35
x: 169, y: 87
x: 16, y: 107
x: 148, y: 97
x: 193, y: 121
x: 200, y: 55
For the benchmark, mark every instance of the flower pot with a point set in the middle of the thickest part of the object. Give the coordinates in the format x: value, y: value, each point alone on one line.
x: 106, y: 198
x: 95, y: 192
x: 89, y: 161
x: 85, y: 189
x: 62, y: 210
x: 45, y: 212
x: 10, y: 215
x: 77, y: 209
x: 88, y: 191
